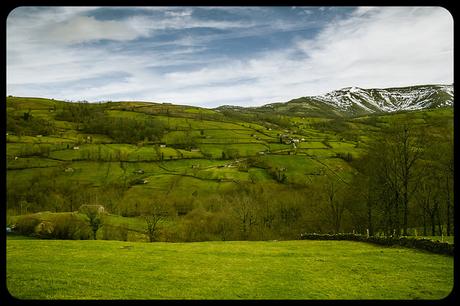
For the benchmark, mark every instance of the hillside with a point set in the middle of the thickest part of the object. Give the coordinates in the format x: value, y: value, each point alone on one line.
x: 212, y: 171
x: 355, y: 101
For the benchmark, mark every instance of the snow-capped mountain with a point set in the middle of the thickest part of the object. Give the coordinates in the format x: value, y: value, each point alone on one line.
x: 358, y: 101
x: 391, y: 99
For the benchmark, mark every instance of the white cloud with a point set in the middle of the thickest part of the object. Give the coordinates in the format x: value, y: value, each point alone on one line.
x: 374, y: 47
x: 183, y: 13
x: 82, y: 29
x: 392, y: 46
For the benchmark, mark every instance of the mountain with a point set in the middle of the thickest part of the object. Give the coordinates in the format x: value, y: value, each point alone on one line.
x: 355, y: 101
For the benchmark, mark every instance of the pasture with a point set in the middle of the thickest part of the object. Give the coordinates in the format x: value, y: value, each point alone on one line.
x: 57, y: 269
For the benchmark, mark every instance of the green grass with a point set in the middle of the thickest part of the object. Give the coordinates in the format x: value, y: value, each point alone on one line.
x: 54, y: 269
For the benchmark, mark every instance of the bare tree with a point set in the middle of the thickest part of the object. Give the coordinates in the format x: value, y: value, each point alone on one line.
x: 153, y: 214
x: 409, y: 150
x: 397, y: 152
x: 246, y: 215
x: 335, y: 205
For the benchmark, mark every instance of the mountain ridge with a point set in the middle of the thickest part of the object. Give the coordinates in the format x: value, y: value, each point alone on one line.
x: 356, y: 101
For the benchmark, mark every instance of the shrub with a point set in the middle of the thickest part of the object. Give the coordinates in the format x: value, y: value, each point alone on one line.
x: 70, y: 226
x: 111, y: 232
x: 25, y: 225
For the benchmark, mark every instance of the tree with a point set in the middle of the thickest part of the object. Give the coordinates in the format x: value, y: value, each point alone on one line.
x: 153, y: 213
x: 365, y: 190
x: 442, y: 153
x: 335, y: 205
x: 428, y: 199
x: 397, y: 151
x: 95, y: 216
x: 245, y: 213
x: 408, y: 152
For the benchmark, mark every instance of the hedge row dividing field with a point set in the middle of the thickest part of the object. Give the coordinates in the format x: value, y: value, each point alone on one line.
x: 429, y: 245
x: 92, y: 269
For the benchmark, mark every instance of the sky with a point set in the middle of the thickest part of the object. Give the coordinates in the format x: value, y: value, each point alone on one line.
x: 212, y: 56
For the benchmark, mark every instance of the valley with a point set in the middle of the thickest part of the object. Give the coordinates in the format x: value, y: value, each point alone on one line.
x: 215, y: 174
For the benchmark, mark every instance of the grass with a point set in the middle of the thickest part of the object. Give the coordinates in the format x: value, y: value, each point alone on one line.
x: 56, y: 269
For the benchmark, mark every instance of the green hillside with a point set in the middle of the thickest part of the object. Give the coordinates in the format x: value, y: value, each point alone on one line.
x: 223, y: 174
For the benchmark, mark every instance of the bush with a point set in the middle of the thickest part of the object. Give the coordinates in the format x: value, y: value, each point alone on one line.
x: 70, y: 226
x: 26, y: 225
x: 111, y: 232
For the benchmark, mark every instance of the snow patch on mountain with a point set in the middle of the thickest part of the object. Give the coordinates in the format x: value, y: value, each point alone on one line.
x: 390, y: 99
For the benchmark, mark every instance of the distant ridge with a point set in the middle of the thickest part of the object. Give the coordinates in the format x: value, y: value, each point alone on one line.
x: 355, y: 101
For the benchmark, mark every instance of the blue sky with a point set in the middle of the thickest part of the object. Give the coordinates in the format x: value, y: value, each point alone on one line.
x: 211, y: 56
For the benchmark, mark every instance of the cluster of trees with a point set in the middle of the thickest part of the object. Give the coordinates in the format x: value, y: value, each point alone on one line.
x: 29, y: 125
x: 406, y: 181
x: 126, y: 130
x: 80, y: 112
x: 47, y: 190
x: 91, y: 118
x: 250, y: 213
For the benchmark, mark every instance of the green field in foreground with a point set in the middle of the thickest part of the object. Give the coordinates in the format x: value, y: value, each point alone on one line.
x: 93, y: 269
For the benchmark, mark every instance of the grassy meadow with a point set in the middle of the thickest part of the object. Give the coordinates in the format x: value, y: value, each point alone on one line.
x: 91, y: 269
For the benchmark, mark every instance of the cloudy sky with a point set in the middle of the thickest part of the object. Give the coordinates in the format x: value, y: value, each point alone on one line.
x: 211, y: 56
